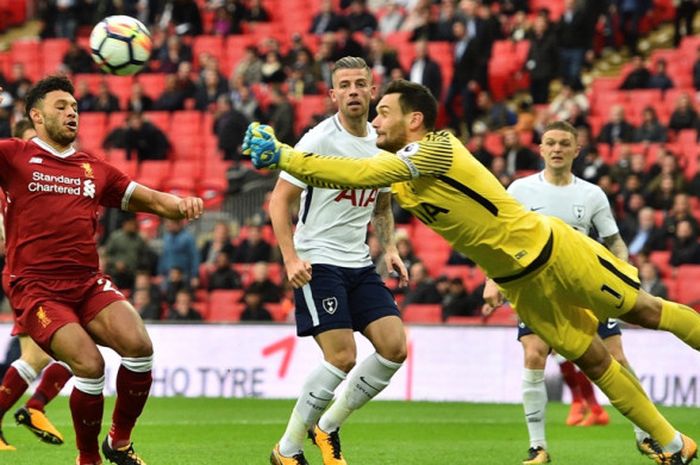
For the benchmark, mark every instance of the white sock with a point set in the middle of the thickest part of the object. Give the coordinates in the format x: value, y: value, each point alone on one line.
x: 534, y: 404
x: 640, y: 434
x: 315, y: 396
x: 675, y: 445
x: 25, y: 371
x: 367, y: 380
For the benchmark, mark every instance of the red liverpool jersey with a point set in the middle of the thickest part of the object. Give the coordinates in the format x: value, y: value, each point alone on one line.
x: 52, y: 204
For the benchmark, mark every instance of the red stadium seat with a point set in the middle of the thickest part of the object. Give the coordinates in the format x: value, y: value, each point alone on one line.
x: 152, y: 83
x: 422, y: 313
x: 153, y: 172
x: 503, y: 316
x: 660, y: 258
x: 28, y: 53
x: 213, y: 45
x: 52, y: 53
x: 160, y: 119
x: 225, y: 305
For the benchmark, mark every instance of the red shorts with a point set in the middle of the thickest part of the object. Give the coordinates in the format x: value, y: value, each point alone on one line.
x: 43, y: 306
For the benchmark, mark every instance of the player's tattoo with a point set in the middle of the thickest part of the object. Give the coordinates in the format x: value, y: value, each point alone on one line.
x: 383, y: 220
x: 617, y: 246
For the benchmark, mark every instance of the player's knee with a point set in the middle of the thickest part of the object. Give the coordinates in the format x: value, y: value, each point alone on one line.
x: 140, y: 348
x: 87, y: 366
x: 343, y: 360
x: 535, y: 360
x: 396, y: 353
x: 37, y: 361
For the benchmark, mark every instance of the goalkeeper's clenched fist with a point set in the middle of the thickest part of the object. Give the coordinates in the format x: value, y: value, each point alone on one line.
x: 262, y: 146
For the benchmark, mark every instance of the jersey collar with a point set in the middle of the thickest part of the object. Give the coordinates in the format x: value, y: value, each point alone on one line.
x: 65, y: 154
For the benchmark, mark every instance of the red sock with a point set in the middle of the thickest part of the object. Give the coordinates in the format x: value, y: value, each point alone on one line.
x: 588, y: 393
x: 11, y: 389
x: 132, y: 393
x: 87, y: 410
x: 53, y: 379
x: 569, y: 372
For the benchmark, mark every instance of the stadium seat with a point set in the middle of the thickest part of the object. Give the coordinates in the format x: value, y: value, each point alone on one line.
x: 225, y: 305
x: 160, y: 119
x: 503, y: 316
x: 213, y: 45
x: 153, y: 172
x: 660, y: 258
x: 28, y: 52
x: 422, y: 313
x: 278, y: 311
x: 52, y: 53
x: 465, y: 320
x: 152, y: 83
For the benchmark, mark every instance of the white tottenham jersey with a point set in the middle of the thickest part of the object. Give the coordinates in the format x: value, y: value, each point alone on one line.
x: 332, y: 226
x: 580, y: 203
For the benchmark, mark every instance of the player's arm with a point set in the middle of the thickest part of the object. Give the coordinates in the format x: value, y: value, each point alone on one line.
x: 144, y: 199
x: 383, y: 222
x: 617, y: 246
x: 325, y: 171
x: 492, y: 297
x: 284, y: 196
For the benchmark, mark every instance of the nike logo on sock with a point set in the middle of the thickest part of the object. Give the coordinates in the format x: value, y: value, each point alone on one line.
x: 532, y: 413
x: 320, y: 398
x: 362, y: 378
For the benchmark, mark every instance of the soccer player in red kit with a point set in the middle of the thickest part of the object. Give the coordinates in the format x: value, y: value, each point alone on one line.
x: 33, y: 360
x: 54, y: 284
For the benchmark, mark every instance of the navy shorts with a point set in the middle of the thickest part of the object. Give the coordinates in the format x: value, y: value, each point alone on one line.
x: 605, y: 330
x: 338, y: 297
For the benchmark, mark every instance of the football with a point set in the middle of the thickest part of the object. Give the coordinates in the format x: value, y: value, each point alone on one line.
x: 120, y: 45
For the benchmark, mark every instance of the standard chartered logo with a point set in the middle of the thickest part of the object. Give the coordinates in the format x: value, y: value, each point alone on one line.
x: 89, y: 188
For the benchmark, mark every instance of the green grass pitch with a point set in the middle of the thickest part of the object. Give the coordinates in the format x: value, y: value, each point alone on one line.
x: 180, y: 431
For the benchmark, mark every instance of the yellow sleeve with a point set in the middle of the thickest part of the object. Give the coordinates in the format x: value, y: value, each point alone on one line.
x: 432, y: 156
x: 335, y: 172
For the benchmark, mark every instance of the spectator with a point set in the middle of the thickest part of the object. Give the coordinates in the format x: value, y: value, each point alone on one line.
x: 391, y: 19
x: 172, y: 54
x: 105, y: 100
x: 182, y: 309
x: 684, y: 116
x: 260, y: 280
x: 172, y: 98
x: 253, y: 248
x: 126, y: 252
x: 281, y: 116
x: 660, y: 194
x: 360, y: 19
x: 477, y: 148
x: 593, y: 166
x: 302, y: 79
x: 669, y: 169
x: 424, y: 70
x: 143, y: 281
x: 659, y: 78
x: 245, y: 102
x: 183, y: 80
x: 458, y: 301
x: 223, y: 23
x: 220, y: 241
x: 209, y: 90
x: 617, y: 129
x: 572, y: 42
x: 629, y: 222
x: 495, y: 115
x: 19, y: 83
x: 326, y: 20
x: 631, y: 13
x: 680, y: 211
x: 422, y: 289
x: 138, y: 101
x: 345, y: 44
x: 86, y: 99
x: 685, y: 249
x: 639, y: 77
x: 256, y: 12
x: 646, y: 237
x: 381, y: 59
x: 560, y: 106
x: 77, y: 60
x: 683, y: 20
x: 140, y: 138
x: 273, y: 69
x: 223, y: 276
x: 517, y: 157
x: 542, y: 61
x: 254, y: 307
x: 141, y: 299
x: 65, y: 19
x: 184, y: 17
x: 651, y: 129
x: 249, y: 67
x: 229, y: 126
x: 175, y: 282
x: 498, y: 168
x: 650, y: 282
x: 179, y: 250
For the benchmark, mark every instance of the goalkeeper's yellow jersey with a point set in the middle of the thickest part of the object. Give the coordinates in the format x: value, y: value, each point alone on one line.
x: 444, y: 186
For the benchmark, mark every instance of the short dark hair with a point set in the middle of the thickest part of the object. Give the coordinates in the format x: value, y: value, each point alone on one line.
x: 43, y: 87
x: 415, y: 97
x: 561, y: 126
x: 21, y: 127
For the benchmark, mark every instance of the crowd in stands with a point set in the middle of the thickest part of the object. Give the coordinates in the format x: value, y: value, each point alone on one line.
x: 501, y: 70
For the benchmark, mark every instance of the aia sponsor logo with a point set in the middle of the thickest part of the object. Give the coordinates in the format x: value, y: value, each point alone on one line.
x: 358, y: 197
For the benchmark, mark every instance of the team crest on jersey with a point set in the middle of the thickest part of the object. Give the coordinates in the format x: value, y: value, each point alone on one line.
x: 579, y: 211
x: 330, y: 305
x: 88, y: 170
x: 44, y: 320
x: 410, y: 149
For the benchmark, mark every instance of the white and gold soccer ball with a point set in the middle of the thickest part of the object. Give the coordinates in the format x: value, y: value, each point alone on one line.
x: 120, y: 45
